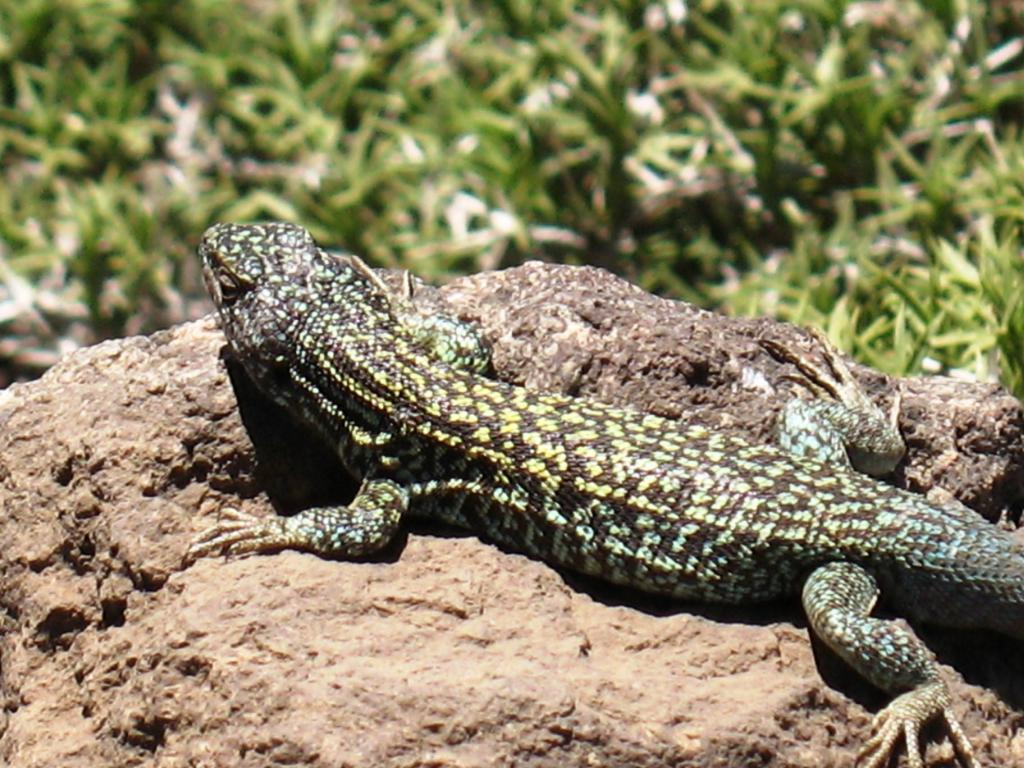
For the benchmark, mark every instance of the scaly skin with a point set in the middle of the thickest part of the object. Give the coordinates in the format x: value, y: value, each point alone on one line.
x: 660, y: 506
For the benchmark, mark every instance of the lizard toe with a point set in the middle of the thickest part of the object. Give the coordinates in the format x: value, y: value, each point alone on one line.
x: 905, y: 716
x: 236, y: 533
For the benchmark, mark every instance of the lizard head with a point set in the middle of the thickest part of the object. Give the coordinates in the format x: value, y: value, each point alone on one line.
x: 279, y: 296
x: 241, y: 260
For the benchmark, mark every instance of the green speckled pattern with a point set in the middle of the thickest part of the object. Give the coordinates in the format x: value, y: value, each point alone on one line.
x: 632, y: 498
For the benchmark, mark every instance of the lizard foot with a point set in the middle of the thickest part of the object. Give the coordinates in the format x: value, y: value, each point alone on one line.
x: 905, y: 715
x: 237, y: 532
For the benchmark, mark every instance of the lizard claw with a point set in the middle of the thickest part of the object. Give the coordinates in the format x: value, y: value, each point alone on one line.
x: 236, y: 532
x: 904, y: 716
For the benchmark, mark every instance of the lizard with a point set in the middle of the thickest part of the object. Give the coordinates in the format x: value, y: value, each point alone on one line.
x: 662, y: 506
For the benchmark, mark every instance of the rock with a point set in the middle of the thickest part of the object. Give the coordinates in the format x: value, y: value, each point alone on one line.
x: 446, y: 651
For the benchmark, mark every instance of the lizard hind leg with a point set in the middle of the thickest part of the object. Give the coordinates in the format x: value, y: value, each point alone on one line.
x: 838, y: 424
x: 838, y: 598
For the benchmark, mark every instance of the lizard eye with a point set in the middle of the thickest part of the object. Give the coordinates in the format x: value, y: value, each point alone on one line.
x: 230, y: 286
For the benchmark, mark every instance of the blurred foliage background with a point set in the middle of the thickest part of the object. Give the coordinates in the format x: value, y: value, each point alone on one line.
x: 857, y: 166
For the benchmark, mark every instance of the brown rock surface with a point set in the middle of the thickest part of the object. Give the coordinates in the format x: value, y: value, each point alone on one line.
x: 447, y: 651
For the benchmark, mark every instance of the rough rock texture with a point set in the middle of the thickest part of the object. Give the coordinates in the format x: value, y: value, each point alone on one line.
x: 446, y: 651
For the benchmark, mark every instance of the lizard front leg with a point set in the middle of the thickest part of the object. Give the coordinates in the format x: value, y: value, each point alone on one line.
x: 362, y: 527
